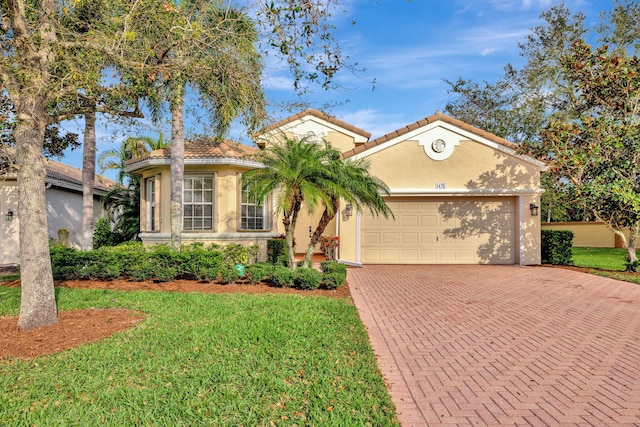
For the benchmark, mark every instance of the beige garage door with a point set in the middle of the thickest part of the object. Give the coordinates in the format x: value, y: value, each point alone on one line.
x: 478, y: 230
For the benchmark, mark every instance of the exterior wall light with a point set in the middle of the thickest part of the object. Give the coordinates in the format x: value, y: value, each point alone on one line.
x: 534, y: 209
x: 9, y: 216
x: 348, y: 210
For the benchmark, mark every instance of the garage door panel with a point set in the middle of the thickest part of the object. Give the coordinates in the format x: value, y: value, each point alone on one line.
x: 409, y: 220
x: 390, y: 238
x: 430, y: 220
x: 409, y: 237
x: 428, y: 237
x: 445, y: 231
x: 371, y: 238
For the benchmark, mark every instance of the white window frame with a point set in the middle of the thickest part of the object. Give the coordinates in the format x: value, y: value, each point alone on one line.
x: 151, y: 204
x: 246, y: 206
x: 198, y: 213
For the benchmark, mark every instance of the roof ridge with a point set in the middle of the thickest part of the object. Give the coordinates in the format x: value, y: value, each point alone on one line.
x: 437, y: 116
x: 316, y: 113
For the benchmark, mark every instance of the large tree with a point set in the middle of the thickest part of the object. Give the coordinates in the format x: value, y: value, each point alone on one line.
x: 595, y: 144
x: 521, y: 103
x: 33, y: 47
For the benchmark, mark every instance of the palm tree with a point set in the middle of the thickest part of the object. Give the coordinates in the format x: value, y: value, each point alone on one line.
x: 295, y: 171
x: 355, y: 184
x: 123, y: 201
x: 132, y: 147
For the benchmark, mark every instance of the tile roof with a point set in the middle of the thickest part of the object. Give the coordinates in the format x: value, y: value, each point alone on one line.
x: 318, y: 114
x: 203, y: 148
x: 59, y: 172
x: 427, y: 120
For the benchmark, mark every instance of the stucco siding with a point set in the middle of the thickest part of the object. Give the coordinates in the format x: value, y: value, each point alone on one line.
x: 64, y: 211
x: 588, y: 234
x: 9, y: 243
x: 472, y: 166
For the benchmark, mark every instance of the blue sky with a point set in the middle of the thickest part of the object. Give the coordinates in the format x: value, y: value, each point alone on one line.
x: 408, y: 47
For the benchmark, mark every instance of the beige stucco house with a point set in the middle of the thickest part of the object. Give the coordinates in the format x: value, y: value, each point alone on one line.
x: 459, y: 195
x: 215, y: 209
x: 64, y: 207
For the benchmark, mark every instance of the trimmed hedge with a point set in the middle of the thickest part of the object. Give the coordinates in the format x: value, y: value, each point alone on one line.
x: 282, y: 276
x: 307, y: 278
x: 556, y: 247
x: 334, y: 274
x: 277, y: 252
x: 160, y: 263
x: 139, y: 263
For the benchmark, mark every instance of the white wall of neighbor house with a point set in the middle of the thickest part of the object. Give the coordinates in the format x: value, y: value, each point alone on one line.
x: 9, y: 222
x: 64, y: 211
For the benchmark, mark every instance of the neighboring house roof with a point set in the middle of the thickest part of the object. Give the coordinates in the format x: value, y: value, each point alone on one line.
x: 438, y: 116
x: 314, y: 113
x: 221, y: 151
x: 59, y: 174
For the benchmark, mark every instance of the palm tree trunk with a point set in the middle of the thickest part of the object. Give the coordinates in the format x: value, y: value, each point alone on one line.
x: 177, y: 167
x: 37, y: 303
x: 322, y: 225
x: 290, y: 228
x: 88, y: 179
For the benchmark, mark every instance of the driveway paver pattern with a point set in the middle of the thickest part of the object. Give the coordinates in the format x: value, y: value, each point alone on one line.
x: 503, y: 345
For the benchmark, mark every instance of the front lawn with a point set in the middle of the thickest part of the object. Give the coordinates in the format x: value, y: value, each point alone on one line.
x: 202, y: 359
x: 603, y: 258
x: 607, y: 262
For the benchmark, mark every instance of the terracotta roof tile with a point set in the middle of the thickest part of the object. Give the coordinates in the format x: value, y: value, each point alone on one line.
x: 423, y: 122
x: 58, y: 171
x: 61, y: 172
x: 204, y: 148
x: 318, y: 114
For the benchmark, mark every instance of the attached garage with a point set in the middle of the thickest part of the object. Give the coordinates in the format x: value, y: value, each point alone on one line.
x: 459, y: 194
x: 469, y: 230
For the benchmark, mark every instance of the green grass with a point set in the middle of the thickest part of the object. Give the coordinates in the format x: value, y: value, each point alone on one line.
x: 604, y: 258
x: 223, y: 360
x: 606, y: 262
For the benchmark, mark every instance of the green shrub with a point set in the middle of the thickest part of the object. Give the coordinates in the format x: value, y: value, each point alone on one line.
x: 64, y: 262
x: 331, y: 266
x: 282, y: 276
x: 228, y: 274
x: 257, y: 272
x: 307, y: 278
x: 102, y: 234
x: 141, y: 272
x: 209, y: 274
x: 556, y: 247
x: 277, y: 252
x: 333, y: 280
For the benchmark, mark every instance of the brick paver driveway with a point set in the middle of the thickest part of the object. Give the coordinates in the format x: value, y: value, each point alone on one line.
x: 503, y: 345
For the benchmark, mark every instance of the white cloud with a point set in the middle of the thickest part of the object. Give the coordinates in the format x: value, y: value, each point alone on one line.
x: 373, y: 121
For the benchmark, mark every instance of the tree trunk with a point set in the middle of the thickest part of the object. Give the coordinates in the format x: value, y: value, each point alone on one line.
x: 177, y: 169
x: 632, y: 259
x: 290, y: 228
x: 37, y: 303
x: 88, y: 179
x: 322, y: 225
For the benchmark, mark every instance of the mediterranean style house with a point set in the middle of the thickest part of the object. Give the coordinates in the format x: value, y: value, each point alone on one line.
x: 459, y: 195
x: 64, y: 207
